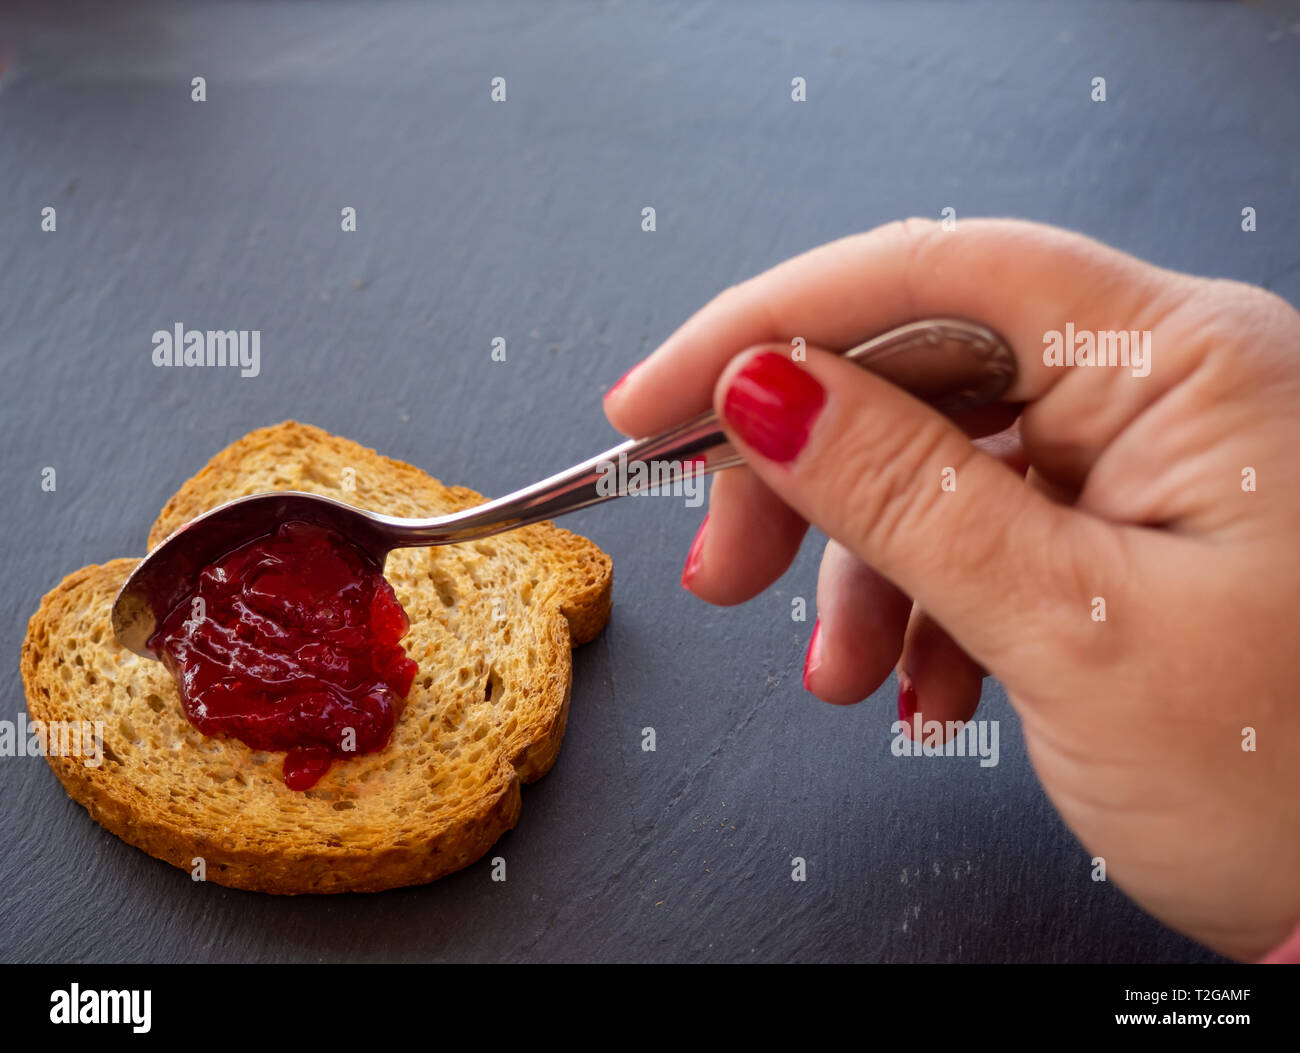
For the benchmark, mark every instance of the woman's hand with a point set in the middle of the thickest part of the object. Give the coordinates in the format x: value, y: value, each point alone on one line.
x: 1167, y: 734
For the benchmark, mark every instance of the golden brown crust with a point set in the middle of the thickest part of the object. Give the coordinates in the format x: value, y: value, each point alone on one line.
x: 492, y: 624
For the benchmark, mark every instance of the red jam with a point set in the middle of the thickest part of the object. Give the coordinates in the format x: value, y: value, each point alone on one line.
x: 295, y: 647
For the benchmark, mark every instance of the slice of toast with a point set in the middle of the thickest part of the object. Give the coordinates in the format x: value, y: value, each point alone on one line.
x: 492, y: 624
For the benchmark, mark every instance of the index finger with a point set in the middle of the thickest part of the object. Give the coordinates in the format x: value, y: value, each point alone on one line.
x: 1021, y: 279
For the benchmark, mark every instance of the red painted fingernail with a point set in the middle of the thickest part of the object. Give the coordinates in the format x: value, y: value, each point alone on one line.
x: 696, y: 554
x: 772, y: 403
x: 906, y: 700
x: 813, y: 658
x: 618, y: 383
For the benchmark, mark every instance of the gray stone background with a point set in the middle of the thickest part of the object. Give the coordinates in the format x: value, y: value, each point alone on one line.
x: 522, y: 220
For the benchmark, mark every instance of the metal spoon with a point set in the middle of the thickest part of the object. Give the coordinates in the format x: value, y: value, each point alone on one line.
x: 949, y: 363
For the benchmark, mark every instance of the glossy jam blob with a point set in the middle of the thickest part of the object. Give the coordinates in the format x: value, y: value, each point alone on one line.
x: 291, y: 642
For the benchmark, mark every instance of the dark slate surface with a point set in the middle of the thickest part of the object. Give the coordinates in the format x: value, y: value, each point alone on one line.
x: 523, y: 220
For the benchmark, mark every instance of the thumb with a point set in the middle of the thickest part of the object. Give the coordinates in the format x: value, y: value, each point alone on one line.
x: 898, y: 484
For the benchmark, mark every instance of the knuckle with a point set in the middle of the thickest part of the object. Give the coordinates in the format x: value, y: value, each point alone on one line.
x: 730, y: 297
x: 1243, y: 295
x: 915, y: 228
x: 1248, y: 316
x: 1241, y: 335
x: 749, y: 299
x: 892, y: 481
x: 918, y: 241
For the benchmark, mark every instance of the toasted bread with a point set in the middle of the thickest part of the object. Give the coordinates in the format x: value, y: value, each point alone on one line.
x: 492, y: 624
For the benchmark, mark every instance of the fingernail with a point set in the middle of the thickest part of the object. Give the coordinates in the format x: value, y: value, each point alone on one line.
x: 813, y: 658
x: 696, y: 554
x: 619, y: 382
x: 772, y: 403
x: 906, y: 699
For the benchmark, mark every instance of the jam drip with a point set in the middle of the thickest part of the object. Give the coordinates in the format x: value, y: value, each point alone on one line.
x: 294, y: 646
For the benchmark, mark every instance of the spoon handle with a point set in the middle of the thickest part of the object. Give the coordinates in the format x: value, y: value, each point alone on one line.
x: 949, y: 363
